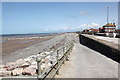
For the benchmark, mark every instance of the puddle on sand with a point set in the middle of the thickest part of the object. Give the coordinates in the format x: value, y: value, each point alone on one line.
x: 26, y: 41
x: 2, y: 40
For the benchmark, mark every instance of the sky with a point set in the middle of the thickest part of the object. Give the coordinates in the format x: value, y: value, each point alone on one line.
x: 48, y: 17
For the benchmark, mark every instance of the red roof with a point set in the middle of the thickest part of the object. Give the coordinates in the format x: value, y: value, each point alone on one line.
x: 94, y: 29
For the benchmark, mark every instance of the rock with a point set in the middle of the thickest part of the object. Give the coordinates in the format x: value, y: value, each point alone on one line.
x: 20, y: 62
x: 10, y: 64
x: 50, y: 64
x: 9, y: 68
x: 48, y: 57
x: 33, y: 66
x: 29, y: 71
x: 34, y: 63
x: 43, y: 67
x: 46, y: 53
x: 24, y: 65
x: 33, y: 56
x: 5, y: 73
x: 27, y: 59
x: 17, y: 71
x: 38, y: 55
x: 43, y: 60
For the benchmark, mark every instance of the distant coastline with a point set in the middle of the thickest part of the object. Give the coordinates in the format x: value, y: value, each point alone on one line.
x: 14, y: 42
x: 28, y: 35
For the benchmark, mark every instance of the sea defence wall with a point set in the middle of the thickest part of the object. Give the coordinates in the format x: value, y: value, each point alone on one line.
x: 106, y: 48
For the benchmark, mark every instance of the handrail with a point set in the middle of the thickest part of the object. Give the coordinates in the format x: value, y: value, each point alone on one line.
x: 60, y: 59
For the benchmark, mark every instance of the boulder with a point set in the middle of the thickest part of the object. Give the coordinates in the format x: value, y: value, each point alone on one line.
x: 10, y: 64
x: 33, y: 66
x: 5, y: 73
x: 10, y: 68
x: 43, y: 67
x: 46, y: 53
x: 20, y: 61
x: 33, y: 63
x: 50, y: 64
x: 48, y: 57
x: 27, y: 59
x: 17, y: 71
x: 33, y: 56
x: 24, y: 65
x: 29, y: 71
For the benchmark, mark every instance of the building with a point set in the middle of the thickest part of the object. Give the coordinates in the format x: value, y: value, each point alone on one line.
x: 85, y: 31
x: 108, y: 28
x: 118, y: 31
x: 91, y: 30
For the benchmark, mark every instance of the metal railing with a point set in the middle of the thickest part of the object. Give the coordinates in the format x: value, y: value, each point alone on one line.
x: 59, y: 56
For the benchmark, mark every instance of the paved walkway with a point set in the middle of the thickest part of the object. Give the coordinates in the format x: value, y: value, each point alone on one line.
x: 87, y: 63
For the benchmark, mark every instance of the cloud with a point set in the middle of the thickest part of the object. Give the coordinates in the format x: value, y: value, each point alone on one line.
x: 74, y: 28
x: 73, y: 16
x: 87, y: 26
x: 84, y: 13
x: 78, y: 28
x: 94, y: 24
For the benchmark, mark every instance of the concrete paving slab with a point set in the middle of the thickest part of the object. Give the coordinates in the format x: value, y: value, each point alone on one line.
x: 87, y: 63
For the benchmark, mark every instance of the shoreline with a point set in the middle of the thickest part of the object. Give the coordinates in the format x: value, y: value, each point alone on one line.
x: 33, y: 48
x: 14, y: 44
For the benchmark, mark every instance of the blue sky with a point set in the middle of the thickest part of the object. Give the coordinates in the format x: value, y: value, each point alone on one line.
x: 38, y: 17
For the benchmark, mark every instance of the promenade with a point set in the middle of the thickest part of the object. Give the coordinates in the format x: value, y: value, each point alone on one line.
x: 84, y: 62
x: 87, y: 63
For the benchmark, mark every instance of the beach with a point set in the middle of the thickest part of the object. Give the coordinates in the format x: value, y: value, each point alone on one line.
x: 13, y: 45
x: 15, y: 49
x: 22, y: 54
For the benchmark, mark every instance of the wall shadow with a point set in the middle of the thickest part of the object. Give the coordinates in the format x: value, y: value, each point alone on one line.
x: 108, y: 51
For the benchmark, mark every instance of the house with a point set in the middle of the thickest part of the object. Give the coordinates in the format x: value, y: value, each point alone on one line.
x: 93, y: 30
x: 108, y: 28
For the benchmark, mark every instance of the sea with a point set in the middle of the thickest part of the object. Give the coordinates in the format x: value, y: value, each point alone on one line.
x: 4, y: 37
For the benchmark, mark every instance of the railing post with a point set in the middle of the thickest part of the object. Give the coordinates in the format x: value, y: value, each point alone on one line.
x: 63, y: 55
x: 67, y: 52
x: 70, y: 47
x: 39, y: 68
x: 57, y: 62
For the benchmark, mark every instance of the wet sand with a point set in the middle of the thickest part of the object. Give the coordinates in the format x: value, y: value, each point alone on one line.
x: 10, y: 46
x: 45, y: 46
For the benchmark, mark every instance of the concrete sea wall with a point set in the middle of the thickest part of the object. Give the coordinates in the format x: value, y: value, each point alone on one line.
x: 104, y: 49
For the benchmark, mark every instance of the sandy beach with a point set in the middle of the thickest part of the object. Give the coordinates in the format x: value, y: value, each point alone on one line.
x: 13, y: 45
x: 13, y: 50
x: 23, y: 52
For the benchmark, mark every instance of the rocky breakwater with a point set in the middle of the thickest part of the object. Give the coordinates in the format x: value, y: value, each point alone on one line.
x: 27, y: 66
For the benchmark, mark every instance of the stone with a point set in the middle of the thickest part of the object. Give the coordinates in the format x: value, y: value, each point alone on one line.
x: 10, y: 64
x: 43, y: 67
x: 33, y: 56
x: 17, y: 71
x: 27, y: 59
x: 46, y: 52
x: 5, y: 73
x: 29, y: 71
x: 24, y: 65
x: 50, y: 64
x: 33, y: 63
x: 20, y: 61
x: 9, y: 68
x: 48, y: 57
x: 33, y: 66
